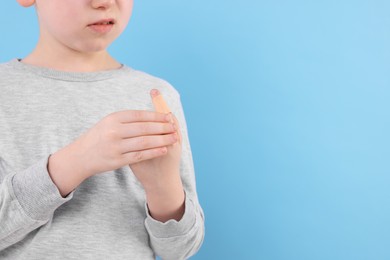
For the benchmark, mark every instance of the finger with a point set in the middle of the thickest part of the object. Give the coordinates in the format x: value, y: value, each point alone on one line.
x: 130, y: 116
x: 177, y: 126
x: 161, y: 106
x: 138, y: 156
x: 147, y: 142
x: 145, y: 128
x: 158, y: 101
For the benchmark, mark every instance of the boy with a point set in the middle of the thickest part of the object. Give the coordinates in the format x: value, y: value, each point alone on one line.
x: 87, y: 169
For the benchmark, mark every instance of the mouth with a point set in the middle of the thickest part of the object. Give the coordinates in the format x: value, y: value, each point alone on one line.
x: 104, y: 22
x: 103, y: 26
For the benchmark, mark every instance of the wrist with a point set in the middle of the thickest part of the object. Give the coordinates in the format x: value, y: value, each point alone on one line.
x: 166, y: 202
x: 66, y: 169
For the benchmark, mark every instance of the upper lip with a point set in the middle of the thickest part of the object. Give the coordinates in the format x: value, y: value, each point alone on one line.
x: 104, y: 21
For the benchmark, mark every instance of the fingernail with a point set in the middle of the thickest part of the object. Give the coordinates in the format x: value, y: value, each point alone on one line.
x: 154, y: 92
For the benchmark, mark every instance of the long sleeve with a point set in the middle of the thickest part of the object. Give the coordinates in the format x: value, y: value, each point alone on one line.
x: 27, y: 201
x: 173, y: 239
x: 105, y: 217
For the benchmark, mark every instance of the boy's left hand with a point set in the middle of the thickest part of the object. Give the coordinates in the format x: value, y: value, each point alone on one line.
x: 160, y: 176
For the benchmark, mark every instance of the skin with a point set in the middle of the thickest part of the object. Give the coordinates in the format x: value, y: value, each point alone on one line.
x: 75, y: 47
x: 146, y: 141
x: 161, y: 106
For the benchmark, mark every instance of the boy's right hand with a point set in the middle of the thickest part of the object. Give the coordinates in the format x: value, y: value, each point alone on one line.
x: 125, y: 137
x: 119, y: 139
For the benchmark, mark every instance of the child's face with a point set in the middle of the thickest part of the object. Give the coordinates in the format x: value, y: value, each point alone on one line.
x: 82, y: 25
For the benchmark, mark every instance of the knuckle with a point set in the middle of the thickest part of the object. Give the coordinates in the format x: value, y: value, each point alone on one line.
x: 167, y: 127
x: 112, y: 134
x: 143, y: 128
x: 138, y: 156
x: 111, y: 117
x: 142, y: 142
x: 137, y: 114
x: 171, y: 138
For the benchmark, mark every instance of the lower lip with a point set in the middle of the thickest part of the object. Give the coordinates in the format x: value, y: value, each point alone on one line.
x: 101, y: 28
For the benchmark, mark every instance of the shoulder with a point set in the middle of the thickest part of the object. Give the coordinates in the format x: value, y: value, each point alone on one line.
x: 10, y: 74
x: 13, y: 71
x: 150, y: 81
x: 6, y: 67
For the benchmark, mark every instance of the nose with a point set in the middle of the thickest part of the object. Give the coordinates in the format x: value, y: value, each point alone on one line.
x: 102, y: 4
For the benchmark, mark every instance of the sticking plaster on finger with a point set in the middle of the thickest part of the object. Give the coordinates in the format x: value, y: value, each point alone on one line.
x: 162, y: 107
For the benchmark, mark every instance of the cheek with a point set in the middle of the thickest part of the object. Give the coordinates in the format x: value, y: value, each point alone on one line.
x: 126, y: 7
x: 60, y: 22
x: 126, y: 11
x: 68, y: 23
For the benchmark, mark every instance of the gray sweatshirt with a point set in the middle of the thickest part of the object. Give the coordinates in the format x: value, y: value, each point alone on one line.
x: 106, y: 217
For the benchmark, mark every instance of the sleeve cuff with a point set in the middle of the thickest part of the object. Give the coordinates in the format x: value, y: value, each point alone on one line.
x: 172, y: 228
x: 36, y: 192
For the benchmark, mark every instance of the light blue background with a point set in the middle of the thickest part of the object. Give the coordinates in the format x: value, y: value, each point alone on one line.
x: 287, y: 104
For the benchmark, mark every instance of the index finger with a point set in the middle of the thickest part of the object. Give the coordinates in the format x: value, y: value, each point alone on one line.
x: 159, y: 103
x: 161, y: 106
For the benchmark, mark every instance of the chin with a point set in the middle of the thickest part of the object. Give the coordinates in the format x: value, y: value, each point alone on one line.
x: 93, y: 49
x: 94, y: 46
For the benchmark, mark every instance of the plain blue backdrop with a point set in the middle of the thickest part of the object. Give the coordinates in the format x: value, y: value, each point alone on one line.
x: 288, y: 110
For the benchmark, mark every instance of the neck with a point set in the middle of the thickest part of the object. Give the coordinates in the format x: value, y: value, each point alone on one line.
x: 71, y: 60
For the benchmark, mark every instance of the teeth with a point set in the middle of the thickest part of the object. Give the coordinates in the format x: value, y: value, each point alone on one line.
x: 106, y: 23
